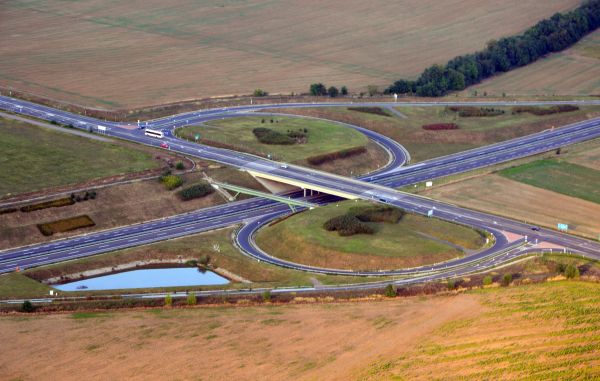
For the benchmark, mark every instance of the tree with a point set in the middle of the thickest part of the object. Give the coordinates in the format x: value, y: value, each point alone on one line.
x: 179, y: 165
x: 390, y: 291
x: 333, y: 91
x: 317, y: 89
x: 168, y: 300
x: 506, y: 280
x: 191, y: 299
x: 571, y: 271
x: 344, y: 90
x: 27, y: 306
x: 260, y: 93
x: 487, y: 280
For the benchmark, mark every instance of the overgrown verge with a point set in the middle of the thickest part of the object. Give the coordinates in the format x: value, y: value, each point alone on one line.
x: 370, y: 110
x: 540, y: 111
x: 547, y: 36
x: 476, y: 112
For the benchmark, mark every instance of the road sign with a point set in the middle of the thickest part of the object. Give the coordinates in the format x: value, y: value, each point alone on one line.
x: 197, y: 136
x: 430, y: 213
x: 429, y: 184
x: 563, y: 227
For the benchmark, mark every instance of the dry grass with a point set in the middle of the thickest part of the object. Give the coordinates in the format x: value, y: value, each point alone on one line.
x: 150, y: 52
x: 249, y: 343
x: 501, y: 196
x: 576, y: 71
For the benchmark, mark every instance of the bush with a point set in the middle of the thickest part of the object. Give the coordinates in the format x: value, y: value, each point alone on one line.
x: 260, y: 93
x: 571, y: 271
x: 268, y: 136
x: 506, y: 280
x: 191, y: 299
x: 179, y: 165
x: 324, y: 158
x: 204, y: 260
x: 487, y: 280
x: 8, y: 210
x: 534, y: 110
x: 451, y: 284
x: 390, y: 291
x: 347, y: 225
x: 377, y: 213
x: 266, y: 296
x: 468, y: 111
x: 168, y: 300
x: 344, y: 90
x: 317, y: 89
x: 196, y: 191
x: 27, y: 306
x: 333, y: 91
x: 171, y: 181
x: 440, y: 126
x: 370, y: 110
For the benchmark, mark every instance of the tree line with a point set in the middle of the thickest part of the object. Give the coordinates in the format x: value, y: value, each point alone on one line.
x: 550, y: 35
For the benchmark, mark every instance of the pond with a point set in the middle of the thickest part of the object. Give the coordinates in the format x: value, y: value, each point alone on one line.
x: 170, y: 277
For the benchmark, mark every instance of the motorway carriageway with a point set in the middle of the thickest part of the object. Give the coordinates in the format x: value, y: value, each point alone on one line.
x: 392, y: 177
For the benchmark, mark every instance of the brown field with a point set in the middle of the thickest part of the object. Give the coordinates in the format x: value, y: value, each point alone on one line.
x: 151, y: 52
x: 542, y: 331
x: 501, y: 196
x: 576, y: 71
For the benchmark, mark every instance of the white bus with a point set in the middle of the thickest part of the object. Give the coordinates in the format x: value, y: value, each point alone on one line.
x: 155, y: 133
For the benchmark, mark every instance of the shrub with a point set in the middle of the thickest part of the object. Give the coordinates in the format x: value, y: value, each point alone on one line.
x: 65, y: 225
x: 27, y: 306
x: 191, y: 299
x: 8, y: 210
x: 344, y: 90
x: 168, y: 300
x: 171, y: 181
x: 324, y: 158
x: 333, y: 91
x: 347, y: 225
x: 571, y: 271
x: 469, y: 111
x: 266, y: 296
x: 440, y: 126
x: 506, y: 280
x: 268, y: 136
x: 196, y: 191
x: 487, y: 280
x: 260, y: 93
x: 377, y: 213
x: 390, y: 291
x: 451, y: 284
x: 179, y: 165
x: 370, y: 110
x: 317, y: 89
x: 204, y: 260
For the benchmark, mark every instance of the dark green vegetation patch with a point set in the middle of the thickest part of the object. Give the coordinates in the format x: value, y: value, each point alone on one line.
x: 558, y: 176
x: 269, y: 136
x: 475, y: 112
x: 370, y: 110
x: 196, y: 191
x: 354, y: 221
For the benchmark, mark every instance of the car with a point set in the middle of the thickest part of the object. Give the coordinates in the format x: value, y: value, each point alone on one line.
x: 535, y: 228
x: 283, y: 165
x: 164, y: 145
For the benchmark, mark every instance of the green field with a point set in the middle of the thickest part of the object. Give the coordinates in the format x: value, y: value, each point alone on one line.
x: 35, y: 158
x: 17, y: 285
x: 548, y: 331
x: 323, y: 137
x: 414, y: 241
x: 558, y: 176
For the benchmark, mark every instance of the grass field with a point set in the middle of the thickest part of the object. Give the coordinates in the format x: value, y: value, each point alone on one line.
x: 17, y: 285
x: 34, y: 158
x: 538, y: 332
x: 162, y: 52
x: 558, y: 176
x: 576, y: 71
x: 414, y: 241
x: 473, y: 132
x: 323, y: 137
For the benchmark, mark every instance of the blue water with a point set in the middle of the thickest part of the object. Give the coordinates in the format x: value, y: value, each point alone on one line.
x: 172, y: 277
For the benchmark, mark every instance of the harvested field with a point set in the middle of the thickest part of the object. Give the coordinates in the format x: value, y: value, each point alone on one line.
x: 538, y: 332
x: 498, y: 195
x: 414, y: 241
x: 575, y: 71
x: 474, y: 131
x: 151, y: 52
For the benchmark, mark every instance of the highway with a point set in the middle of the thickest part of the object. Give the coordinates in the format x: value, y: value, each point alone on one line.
x: 254, y: 213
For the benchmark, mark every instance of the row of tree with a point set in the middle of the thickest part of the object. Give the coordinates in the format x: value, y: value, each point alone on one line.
x: 319, y: 89
x: 548, y: 36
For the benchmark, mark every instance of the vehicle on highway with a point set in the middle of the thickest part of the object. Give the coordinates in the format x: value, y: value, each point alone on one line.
x: 283, y: 165
x: 154, y: 133
x: 164, y: 145
x: 535, y: 228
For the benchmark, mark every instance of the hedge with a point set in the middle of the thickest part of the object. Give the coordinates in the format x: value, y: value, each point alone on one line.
x: 196, y: 191
x: 48, y: 204
x: 467, y: 111
x: 440, y: 126
x: 544, y: 111
x: 370, y: 110
x: 320, y: 159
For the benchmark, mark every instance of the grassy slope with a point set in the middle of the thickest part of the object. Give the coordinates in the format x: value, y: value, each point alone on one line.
x: 323, y: 137
x: 473, y: 132
x: 536, y: 332
x: 34, y: 158
x: 576, y: 71
x: 302, y: 239
x: 558, y: 176
x: 17, y: 285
